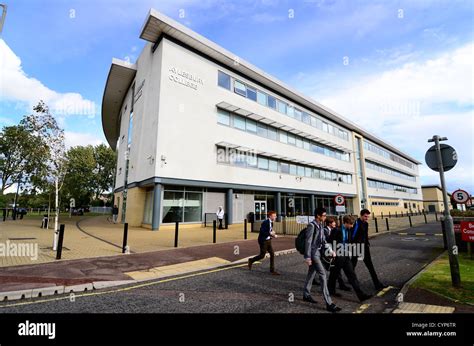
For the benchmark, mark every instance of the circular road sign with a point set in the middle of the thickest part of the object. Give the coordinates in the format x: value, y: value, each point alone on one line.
x: 460, y: 196
x: 448, y: 155
x: 339, y: 199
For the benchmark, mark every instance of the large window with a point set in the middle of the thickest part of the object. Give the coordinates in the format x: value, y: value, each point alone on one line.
x: 182, y: 206
x: 267, y: 131
x: 223, y: 117
x: 252, y: 93
x: 266, y: 163
x: 223, y: 80
x: 262, y: 98
x: 240, y: 88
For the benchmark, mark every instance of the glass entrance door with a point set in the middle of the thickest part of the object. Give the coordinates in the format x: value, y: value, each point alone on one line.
x: 260, y: 210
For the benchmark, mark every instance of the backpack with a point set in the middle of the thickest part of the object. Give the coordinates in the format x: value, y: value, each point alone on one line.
x: 300, y: 240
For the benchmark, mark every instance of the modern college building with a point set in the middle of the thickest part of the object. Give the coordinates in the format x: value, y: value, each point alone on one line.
x: 195, y: 128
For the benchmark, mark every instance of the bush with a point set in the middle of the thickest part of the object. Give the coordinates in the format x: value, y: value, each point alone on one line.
x: 468, y: 213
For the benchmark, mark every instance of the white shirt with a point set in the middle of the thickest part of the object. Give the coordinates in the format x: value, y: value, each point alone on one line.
x: 220, y: 214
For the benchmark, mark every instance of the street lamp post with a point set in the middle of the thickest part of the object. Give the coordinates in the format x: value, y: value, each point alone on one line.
x: 448, y: 220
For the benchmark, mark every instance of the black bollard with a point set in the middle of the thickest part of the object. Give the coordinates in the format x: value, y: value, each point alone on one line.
x: 409, y: 219
x: 226, y: 220
x: 214, y: 227
x: 376, y: 226
x: 386, y: 222
x: 125, y: 236
x: 426, y: 221
x: 176, y: 228
x: 60, y: 242
x: 245, y: 229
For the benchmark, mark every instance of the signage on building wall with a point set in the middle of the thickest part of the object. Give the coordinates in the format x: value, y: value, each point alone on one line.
x: 339, y: 200
x: 301, y: 219
x: 185, y: 78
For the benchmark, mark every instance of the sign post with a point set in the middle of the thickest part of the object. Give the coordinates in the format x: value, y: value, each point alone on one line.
x: 440, y: 158
x: 467, y: 235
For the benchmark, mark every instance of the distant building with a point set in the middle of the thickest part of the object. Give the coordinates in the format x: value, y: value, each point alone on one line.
x: 433, y: 198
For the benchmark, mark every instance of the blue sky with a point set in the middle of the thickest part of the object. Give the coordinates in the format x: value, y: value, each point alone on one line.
x: 402, y: 69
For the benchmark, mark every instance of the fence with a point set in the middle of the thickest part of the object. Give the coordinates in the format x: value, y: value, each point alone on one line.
x: 101, y: 210
x: 293, y: 225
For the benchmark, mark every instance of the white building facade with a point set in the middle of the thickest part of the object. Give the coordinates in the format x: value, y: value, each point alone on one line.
x: 195, y: 128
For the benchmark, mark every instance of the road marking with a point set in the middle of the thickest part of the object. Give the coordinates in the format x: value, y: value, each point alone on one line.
x: 125, y: 288
x: 361, y: 309
x: 385, y: 290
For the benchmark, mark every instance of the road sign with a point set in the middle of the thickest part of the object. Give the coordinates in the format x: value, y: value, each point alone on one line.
x: 467, y: 231
x: 448, y: 156
x: 460, y: 196
x: 72, y: 203
x: 340, y: 208
x: 339, y: 200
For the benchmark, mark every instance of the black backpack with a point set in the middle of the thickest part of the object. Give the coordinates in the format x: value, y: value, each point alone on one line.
x: 300, y: 240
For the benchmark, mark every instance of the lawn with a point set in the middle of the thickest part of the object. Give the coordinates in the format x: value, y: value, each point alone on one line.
x: 437, y: 279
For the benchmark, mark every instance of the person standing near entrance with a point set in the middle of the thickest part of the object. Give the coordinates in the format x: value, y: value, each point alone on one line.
x: 360, y: 235
x: 265, y: 242
x: 340, y: 240
x: 220, y: 216
x: 315, y: 244
x: 115, y: 212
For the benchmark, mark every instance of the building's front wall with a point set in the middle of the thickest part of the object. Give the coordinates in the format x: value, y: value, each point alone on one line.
x: 433, y: 199
x: 175, y: 135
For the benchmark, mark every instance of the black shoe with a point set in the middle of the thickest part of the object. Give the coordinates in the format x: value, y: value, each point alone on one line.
x: 345, y: 288
x: 333, y: 308
x: 364, y: 296
x: 335, y: 294
x: 380, y: 286
x: 309, y: 300
x: 250, y: 264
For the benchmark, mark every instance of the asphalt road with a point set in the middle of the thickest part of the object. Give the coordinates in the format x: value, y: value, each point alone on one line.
x: 237, y: 290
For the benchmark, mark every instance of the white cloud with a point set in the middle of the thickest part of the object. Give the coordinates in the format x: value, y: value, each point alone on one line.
x: 407, y: 105
x: 78, y: 138
x: 16, y: 85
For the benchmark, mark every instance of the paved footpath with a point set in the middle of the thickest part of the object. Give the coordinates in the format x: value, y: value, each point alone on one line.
x: 230, y: 288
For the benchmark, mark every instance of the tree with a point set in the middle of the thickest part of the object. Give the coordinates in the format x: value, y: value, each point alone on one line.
x: 22, y: 156
x: 105, y: 159
x: 44, y: 126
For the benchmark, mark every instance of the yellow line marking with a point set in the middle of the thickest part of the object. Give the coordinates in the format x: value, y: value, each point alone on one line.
x: 385, y: 290
x: 420, y: 233
x: 361, y: 308
x: 125, y: 288
x: 439, y: 235
x: 403, y: 233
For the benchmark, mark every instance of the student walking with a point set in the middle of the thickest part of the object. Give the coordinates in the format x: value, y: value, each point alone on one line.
x: 315, y: 244
x: 220, y: 216
x: 360, y: 235
x: 265, y: 242
x: 115, y: 212
x: 340, y: 241
x: 331, y: 225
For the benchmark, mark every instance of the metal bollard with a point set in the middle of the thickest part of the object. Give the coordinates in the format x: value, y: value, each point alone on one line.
x: 386, y: 222
x: 60, y: 242
x: 125, y: 236
x: 214, y: 227
x: 376, y: 226
x: 396, y: 214
x: 381, y: 214
x: 389, y: 215
x: 245, y: 229
x: 426, y: 221
x: 226, y: 220
x: 436, y: 216
x: 176, y: 229
x: 409, y: 219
